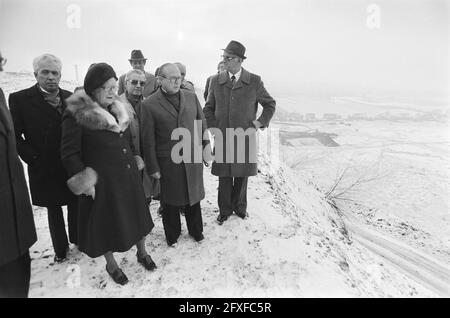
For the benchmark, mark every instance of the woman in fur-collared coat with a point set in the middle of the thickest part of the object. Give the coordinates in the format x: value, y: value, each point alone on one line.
x: 104, y: 171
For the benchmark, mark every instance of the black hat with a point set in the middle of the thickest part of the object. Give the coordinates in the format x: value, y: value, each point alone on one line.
x: 236, y: 48
x: 137, y: 55
x: 96, y: 76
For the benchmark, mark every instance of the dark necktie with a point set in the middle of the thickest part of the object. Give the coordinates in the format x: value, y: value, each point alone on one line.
x: 233, y: 80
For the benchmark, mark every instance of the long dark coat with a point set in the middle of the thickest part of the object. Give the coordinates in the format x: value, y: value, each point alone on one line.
x: 236, y: 107
x: 149, y: 88
x: 147, y: 182
x: 158, y: 119
x: 38, y: 132
x: 97, y: 150
x: 17, y: 230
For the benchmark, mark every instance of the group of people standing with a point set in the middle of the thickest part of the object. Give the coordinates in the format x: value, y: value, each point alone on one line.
x: 106, y: 150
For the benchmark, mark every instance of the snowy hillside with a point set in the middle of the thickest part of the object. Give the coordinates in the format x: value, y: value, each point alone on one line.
x: 294, y: 244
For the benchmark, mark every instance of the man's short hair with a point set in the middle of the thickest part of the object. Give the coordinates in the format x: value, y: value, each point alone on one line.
x: 37, y: 62
x: 139, y: 72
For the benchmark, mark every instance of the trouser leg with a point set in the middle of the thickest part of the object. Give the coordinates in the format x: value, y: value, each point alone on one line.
x: 239, y: 195
x: 57, y: 230
x: 72, y: 220
x: 194, y: 221
x: 224, y: 195
x: 15, y: 277
x: 171, y: 223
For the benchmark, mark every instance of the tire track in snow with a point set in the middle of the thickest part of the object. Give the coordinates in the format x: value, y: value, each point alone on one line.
x: 422, y: 268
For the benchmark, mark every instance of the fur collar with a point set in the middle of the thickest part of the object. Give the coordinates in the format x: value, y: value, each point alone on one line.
x: 90, y: 114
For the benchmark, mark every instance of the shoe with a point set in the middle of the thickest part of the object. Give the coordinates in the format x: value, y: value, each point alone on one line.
x: 243, y: 215
x: 118, y: 276
x: 147, y: 262
x: 221, y: 218
x: 199, y: 238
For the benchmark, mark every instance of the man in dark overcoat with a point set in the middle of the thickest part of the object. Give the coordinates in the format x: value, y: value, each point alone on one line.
x: 17, y: 230
x: 232, y: 103
x: 37, y: 114
x: 132, y: 98
x: 181, y: 180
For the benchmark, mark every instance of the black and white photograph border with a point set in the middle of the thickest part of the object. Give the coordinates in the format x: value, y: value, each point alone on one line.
x: 351, y: 196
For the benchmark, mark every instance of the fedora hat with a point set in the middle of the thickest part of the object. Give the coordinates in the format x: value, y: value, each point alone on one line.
x: 137, y: 55
x: 236, y: 48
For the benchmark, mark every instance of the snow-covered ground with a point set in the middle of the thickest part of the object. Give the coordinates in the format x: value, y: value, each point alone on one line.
x: 295, y: 243
x: 401, y: 177
x: 291, y: 246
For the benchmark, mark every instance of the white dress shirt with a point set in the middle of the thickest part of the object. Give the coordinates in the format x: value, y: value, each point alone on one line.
x: 237, y: 75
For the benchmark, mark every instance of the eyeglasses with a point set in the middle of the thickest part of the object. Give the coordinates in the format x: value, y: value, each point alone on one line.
x: 135, y: 82
x: 111, y: 89
x: 173, y: 79
x: 227, y: 58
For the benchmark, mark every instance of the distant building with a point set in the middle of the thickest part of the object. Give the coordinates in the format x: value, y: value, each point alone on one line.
x: 383, y: 116
x: 296, y: 117
x: 357, y: 116
x: 331, y: 116
x: 310, y: 116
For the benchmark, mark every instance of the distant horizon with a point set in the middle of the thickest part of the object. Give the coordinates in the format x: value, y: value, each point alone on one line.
x: 389, y: 46
x: 298, y: 102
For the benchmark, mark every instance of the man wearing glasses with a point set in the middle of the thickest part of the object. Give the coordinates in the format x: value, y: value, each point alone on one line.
x: 232, y: 103
x: 137, y: 62
x: 135, y: 82
x: 162, y: 113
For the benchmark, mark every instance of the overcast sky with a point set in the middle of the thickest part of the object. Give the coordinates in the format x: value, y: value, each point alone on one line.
x: 288, y: 42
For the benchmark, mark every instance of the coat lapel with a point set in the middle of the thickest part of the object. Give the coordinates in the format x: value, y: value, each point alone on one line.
x: 2, y: 122
x: 224, y: 79
x: 166, y: 105
x: 5, y: 118
x: 64, y: 96
x: 244, y: 79
x: 182, y: 107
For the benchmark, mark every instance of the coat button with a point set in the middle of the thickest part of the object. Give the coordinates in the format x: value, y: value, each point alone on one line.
x: 128, y: 166
x: 121, y: 135
x: 124, y: 150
